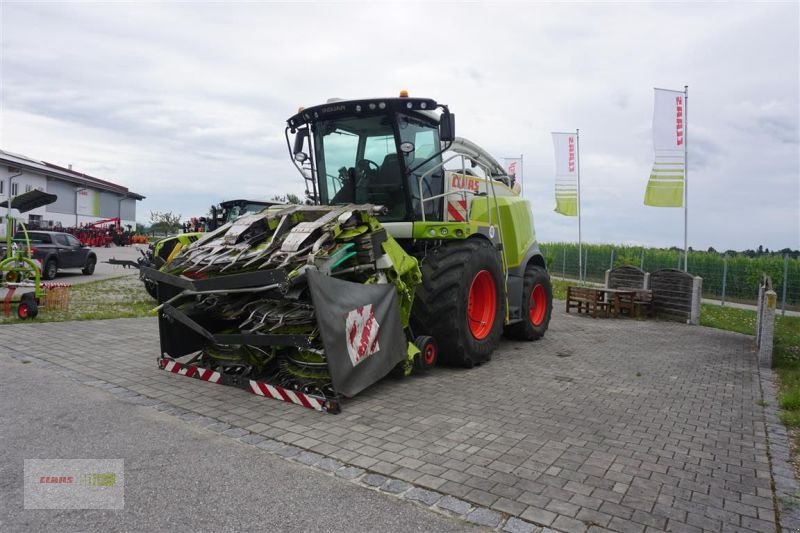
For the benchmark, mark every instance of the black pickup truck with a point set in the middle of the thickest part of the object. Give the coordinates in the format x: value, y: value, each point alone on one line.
x: 56, y: 251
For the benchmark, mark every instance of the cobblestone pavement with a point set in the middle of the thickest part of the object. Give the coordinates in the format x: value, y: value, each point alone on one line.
x: 606, y: 423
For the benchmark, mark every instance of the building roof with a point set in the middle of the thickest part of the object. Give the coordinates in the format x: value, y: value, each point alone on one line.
x: 16, y: 161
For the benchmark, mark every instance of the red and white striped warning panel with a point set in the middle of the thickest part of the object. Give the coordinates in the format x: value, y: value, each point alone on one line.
x: 258, y: 388
x: 279, y: 393
x: 457, y: 210
x: 190, y: 371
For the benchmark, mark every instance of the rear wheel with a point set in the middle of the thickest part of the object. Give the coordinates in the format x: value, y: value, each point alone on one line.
x: 537, y: 306
x: 88, y: 269
x: 50, y: 269
x: 460, y: 301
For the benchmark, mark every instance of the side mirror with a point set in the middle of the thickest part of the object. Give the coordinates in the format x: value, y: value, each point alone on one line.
x: 447, y: 127
x: 299, y: 141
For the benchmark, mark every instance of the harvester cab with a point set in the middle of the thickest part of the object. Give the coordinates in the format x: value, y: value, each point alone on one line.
x: 230, y: 210
x: 375, y: 151
x: 417, y: 249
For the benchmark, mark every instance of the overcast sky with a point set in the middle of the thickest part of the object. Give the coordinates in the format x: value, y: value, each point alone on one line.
x: 186, y: 104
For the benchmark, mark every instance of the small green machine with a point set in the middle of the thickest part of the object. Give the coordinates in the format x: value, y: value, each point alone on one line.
x: 18, y: 268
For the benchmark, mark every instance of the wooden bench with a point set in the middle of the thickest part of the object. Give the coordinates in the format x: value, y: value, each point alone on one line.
x: 586, y: 299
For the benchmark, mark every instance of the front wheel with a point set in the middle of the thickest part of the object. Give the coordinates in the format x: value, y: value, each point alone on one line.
x: 537, y: 306
x: 428, y: 351
x: 461, y: 301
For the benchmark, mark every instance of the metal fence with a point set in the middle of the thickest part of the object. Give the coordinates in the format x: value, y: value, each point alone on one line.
x: 725, y: 278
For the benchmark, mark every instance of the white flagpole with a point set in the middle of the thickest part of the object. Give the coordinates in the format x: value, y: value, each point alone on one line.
x: 685, y: 178
x: 580, y: 241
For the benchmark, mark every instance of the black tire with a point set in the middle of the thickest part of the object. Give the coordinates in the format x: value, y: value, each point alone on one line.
x: 28, y: 297
x: 429, y: 352
x: 50, y: 269
x: 27, y: 307
x: 535, y: 320
x: 440, y: 306
x: 88, y: 269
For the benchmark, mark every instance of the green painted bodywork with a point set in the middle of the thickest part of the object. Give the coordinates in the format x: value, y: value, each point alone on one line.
x: 516, y: 224
x: 184, y: 239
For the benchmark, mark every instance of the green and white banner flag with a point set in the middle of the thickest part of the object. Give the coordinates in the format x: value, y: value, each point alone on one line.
x: 665, y: 188
x: 566, y: 148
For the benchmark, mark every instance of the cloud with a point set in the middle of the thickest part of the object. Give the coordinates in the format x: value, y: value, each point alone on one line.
x: 186, y: 103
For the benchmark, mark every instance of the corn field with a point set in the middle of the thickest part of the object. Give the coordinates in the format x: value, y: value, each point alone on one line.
x: 728, y: 278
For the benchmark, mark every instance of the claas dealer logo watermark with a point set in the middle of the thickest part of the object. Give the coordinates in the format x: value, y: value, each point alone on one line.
x: 74, y: 484
x: 105, y: 479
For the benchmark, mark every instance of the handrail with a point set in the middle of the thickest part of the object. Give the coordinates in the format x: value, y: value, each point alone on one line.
x: 441, y: 165
x: 464, y: 192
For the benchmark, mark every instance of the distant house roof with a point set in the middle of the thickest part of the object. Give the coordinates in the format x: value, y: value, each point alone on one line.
x: 16, y: 161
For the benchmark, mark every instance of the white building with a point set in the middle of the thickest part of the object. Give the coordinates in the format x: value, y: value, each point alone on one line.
x: 82, y: 199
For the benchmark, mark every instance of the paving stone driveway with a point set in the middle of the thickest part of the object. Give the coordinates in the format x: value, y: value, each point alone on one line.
x: 621, y: 424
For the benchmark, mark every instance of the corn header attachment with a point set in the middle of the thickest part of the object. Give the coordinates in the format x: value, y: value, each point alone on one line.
x: 301, y: 303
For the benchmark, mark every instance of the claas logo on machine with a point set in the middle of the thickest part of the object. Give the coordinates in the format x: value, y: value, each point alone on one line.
x: 459, y: 181
x: 362, y: 333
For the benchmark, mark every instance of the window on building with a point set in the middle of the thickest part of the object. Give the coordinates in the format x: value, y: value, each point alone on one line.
x: 14, y: 189
x: 2, y: 185
x: 28, y: 188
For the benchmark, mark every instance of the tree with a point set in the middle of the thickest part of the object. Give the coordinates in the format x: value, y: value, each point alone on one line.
x: 288, y: 198
x: 165, y: 222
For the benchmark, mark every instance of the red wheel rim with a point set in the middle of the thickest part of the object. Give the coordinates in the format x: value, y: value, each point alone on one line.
x: 429, y: 354
x: 482, y: 304
x: 23, y: 310
x: 537, y: 308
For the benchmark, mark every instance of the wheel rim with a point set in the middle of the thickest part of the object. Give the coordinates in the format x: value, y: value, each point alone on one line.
x: 482, y: 304
x: 537, y: 308
x: 23, y: 310
x: 429, y: 354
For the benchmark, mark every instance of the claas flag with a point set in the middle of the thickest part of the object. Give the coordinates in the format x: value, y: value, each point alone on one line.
x: 566, y: 151
x: 665, y: 187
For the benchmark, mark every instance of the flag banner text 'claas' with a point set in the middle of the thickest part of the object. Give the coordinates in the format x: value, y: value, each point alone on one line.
x: 566, y: 150
x: 665, y: 187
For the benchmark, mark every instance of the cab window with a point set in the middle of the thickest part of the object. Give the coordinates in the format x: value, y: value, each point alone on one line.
x: 424, y: 163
